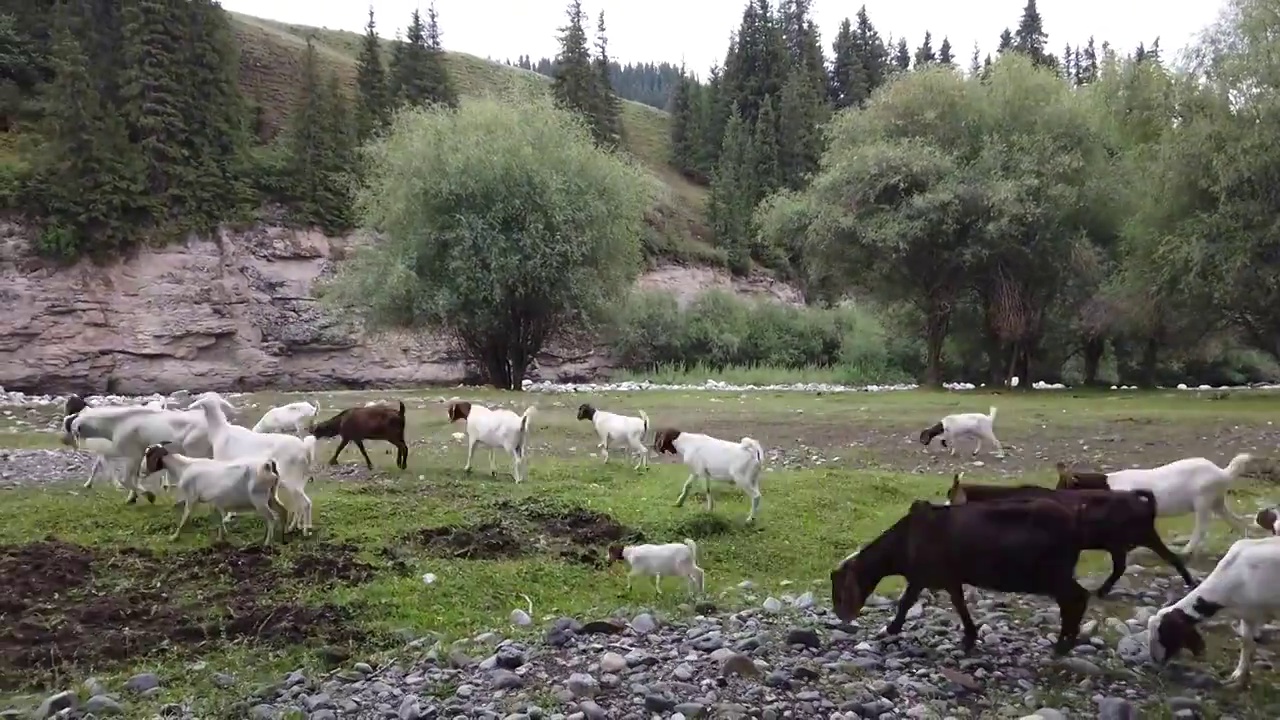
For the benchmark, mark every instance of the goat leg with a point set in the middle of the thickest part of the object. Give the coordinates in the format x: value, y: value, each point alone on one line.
x: 341, y: 445
x: 360, y: 446
x: 1118, y: 564
x: 908, y: 599
x: 1073, y: 600
x: 1157, y: 546
x: 966, y: 621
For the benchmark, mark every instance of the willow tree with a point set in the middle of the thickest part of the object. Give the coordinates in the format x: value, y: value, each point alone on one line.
x: 501, y: 224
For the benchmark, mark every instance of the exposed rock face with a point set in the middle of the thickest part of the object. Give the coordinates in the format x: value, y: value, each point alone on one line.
x: 232, y: 313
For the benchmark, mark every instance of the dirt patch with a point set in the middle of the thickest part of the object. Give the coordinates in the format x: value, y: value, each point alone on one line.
x: 66, y: 605
x: 524, y: 527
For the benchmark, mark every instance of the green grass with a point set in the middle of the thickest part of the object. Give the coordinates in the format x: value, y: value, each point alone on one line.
x: 751, y: 375
x: 813, y: 514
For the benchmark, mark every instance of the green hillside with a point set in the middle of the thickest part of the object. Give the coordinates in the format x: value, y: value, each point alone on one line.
x: 271, y: 64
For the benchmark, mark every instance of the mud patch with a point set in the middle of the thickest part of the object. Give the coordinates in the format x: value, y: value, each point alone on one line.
x: 523, y: 528
x: 67, y: 606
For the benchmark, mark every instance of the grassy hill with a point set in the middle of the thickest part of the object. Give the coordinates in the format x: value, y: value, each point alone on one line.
x: 271, y: 69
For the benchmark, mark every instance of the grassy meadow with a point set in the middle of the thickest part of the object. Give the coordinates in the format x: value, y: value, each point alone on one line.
x: 113, y: 596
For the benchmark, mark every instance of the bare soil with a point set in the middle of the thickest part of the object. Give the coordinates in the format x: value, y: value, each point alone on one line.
x: 69, y: 605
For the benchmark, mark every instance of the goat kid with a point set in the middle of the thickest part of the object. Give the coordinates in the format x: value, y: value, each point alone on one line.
x: 678, y: 559
x: 1191, y: 485
x: 294, y: 457
x: 960, y: 425
x: 625, y: 429
x: 715, y: 459
x: 1246, y: 581
x: 499, y: 428
x: 1020, y: 547
x: 248, y: 484
x: 371, y: 422
x: 1115, y: 522
x: 291, y: 418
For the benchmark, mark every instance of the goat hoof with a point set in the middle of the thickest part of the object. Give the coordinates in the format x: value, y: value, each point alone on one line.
x: 151, y: 498
x: 131, y: 501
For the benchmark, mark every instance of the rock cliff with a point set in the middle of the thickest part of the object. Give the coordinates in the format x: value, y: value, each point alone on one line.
x: 235, y: 313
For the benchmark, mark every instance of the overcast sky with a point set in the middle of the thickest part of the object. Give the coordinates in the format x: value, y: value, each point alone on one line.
x: 697, y: 31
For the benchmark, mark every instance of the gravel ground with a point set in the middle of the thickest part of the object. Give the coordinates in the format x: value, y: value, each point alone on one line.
x: 786, y: 657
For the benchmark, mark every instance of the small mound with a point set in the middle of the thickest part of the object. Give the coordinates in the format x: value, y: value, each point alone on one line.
x: 485, y: 541
x: 703, y: 525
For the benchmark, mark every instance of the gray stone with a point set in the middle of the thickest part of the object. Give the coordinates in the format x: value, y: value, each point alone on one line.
x: 691, y: 709
x: 103, y: 705
x: 582, y: 685
x: 612, y: 662
x: 1113, y: 708
x: 56, y: 703
x: 324, y: 714
x: 658, y: 704
x: 263, y: 712
x: 505, y: 680
x: 1050, y: 714
x: 223, y: 680
x: 142, y: 682
x: 592, y: 710
x: 644, y: 624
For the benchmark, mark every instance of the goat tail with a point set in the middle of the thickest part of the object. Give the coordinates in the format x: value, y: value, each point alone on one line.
x: 992, y: 413
x: 309, y: 444
x: 401, y: 408
x: 524, y: 427
x: 645, y: 418
x: 1237, y: 465
x: 754, y: 446
x: 693, y: 550
x: 1149, y: 498
x: 528, y: 602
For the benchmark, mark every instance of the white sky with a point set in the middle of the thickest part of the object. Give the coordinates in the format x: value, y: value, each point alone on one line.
x: 697, y: 31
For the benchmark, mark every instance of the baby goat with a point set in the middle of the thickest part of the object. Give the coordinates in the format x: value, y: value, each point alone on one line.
x: 953, y: 427
x: 226, y: 485
x: 621, y: 428
x: 1019, y: 547
x: 679, y: 559
x: 1115, y: 522
x: 371, y: 422
x: 1191, y: 485
x: 499, y: 428
x: 1247, y: 581
x: 288, y: 418
x: 715, y: 459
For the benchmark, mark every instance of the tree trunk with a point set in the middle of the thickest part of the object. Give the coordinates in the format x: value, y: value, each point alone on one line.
x: 1150, y: 360
x: 499, y: 372
x: 936, y: 321
x: 1094, y: 349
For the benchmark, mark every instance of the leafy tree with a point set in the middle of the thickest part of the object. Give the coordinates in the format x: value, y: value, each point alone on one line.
x: 526, y: 232
x: 373, y: 112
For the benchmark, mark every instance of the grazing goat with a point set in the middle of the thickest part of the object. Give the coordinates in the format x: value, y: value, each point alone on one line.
x: 715, y: 459
x: 953, y: 427
x: 1191, y: 485
x: 1269, y: 519
x: 294, y: 457
x: 622, y: 428
x: 1247, y: 581
x: 288, y: 418
x: 1022, y: 547
x: 679, y: 559
x: 98, y: 447
x: 495, y: 429
x: 248, y: 484
x: 371, y: 422
x: 1112, y: 521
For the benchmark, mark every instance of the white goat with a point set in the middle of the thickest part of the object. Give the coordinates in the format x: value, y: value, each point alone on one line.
x: 294, y: 456
x: 678, y: 559
x: 620, y: 428
x: 1190, y: 485
x: 715, y: 459
x: 1246, y: 581
x: 961, y: 425
x: 123, y: 433
x: 101, y: 449
x: 499, y: 428
x: 248, y: 484
x: 288, y: 418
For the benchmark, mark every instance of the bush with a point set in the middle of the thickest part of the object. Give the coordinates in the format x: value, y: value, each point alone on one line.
x: 718, y: 332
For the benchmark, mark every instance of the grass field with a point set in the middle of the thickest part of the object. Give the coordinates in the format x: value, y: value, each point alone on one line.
x: 271, y: 69
x: 113, y: 596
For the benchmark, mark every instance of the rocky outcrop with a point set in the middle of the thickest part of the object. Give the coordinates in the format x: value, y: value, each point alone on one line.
x: 234, y: 313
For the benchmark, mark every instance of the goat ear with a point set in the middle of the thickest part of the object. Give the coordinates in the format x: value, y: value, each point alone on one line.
x: 955, y: 479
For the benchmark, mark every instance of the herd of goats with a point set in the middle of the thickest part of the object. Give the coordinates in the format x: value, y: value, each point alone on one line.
x: 1015, y: 539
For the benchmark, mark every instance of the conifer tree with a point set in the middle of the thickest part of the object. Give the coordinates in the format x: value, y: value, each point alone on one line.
x: 373, y: 110
x: 1006, y: 42
x: 728, y: 207
x: 924, y: 53
x: 418, y: 75
x: 800, y: 142
x: 871, y: 52
x: 1031, y: 39
x: 846, y: 85
x: 576, y: 83
x: 902, y: 56
x: 764, y: 173
x: 440, y: 87
x: 608, y: 113
x: 1089, y: 63
x: 321, y: 144
x: 975, y: 62
x: 945, y: 53
x: 683, y: 127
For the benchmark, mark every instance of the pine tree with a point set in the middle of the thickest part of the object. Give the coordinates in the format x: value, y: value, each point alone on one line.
x: 802, y: 114
x: 682, y: 130
x: 1089, y: 68
x: 975, y: 62
x: 1066, y: 70
x: 902, y: 55
x: 871, y: 52
x: 1077, y: 66
x: 758, y: 64
x: 716, y: 106
x: 945, y: 55
x: 1030, y: 39
x: 728, y: 207
x: 847, y: 85
x: 321, y: 140
x: 373, y: 110
x: 608, y: 115
x: 439, y: 84
x: 576, y: 85
x: 1006, y: 42
x: 765, y: 174
x: 1153, y: 52
x: 924, y: 53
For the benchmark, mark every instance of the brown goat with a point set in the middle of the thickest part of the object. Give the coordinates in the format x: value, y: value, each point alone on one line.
x: 1021, y: 547
x: 1269, y: 519
x: 375, y: 422
x: 1075, y: 480
x: 1115, y: 522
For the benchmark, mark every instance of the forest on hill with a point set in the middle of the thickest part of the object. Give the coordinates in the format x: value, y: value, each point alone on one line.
x: 1088, y: 213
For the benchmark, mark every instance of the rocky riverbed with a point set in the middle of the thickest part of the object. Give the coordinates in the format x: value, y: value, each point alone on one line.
x: 780, y: 657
